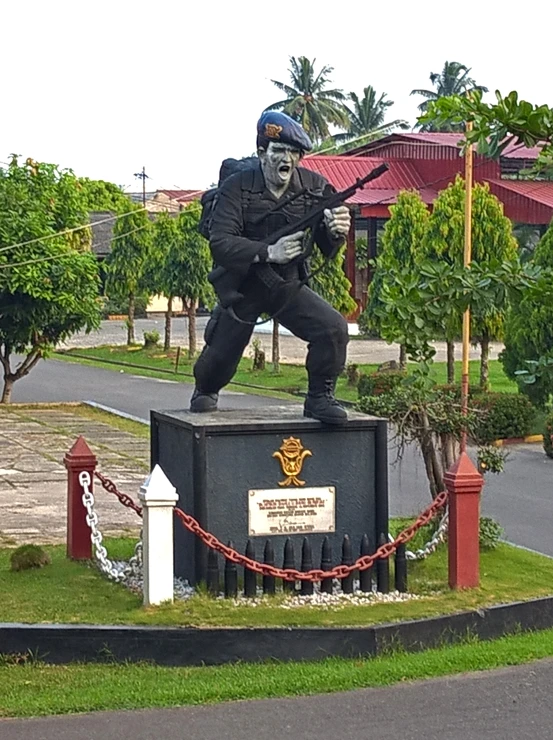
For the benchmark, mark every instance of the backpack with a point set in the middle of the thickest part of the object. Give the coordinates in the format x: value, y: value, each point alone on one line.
x: 209, y: 199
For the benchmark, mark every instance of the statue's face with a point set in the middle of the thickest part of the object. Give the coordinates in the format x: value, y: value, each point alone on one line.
x: 278, y: 163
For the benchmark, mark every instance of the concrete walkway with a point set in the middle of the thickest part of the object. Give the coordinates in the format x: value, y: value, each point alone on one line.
x: 33, y: 478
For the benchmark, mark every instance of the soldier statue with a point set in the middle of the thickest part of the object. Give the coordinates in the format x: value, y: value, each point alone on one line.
x: 249, y: 206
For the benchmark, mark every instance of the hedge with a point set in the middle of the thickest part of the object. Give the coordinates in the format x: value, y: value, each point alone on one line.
x: 506, y: 416
x: 377, y: 383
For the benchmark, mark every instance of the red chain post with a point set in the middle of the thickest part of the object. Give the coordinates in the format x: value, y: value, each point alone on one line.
x: 79, y: 458
x: 464, y: 484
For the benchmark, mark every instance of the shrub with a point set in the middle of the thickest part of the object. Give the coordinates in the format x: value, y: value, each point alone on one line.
x: 375, y: 384
x: 151, y: 339
x: 490, y: 533
x: 547, y: 435
x: 29, y: 556
x: 503, y: 416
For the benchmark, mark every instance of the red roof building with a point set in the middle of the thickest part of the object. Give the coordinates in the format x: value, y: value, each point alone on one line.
x: 427, y: 162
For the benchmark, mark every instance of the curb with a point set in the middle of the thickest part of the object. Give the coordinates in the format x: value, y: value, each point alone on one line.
x: 531, y: 439
x: 174, y: 646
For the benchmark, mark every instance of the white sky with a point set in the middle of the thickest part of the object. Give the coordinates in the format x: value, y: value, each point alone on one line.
x: 107, y: 87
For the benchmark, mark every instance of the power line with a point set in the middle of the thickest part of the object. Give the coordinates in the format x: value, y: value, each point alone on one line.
x: 58, y: 256
x: 68, y: 231
x: 95, y: 223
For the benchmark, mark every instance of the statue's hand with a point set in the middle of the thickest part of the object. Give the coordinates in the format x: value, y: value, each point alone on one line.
x: 338, y: 221
x: 286, y: 249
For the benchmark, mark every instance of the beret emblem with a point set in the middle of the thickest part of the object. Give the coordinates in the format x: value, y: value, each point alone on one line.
x: 272, y: 131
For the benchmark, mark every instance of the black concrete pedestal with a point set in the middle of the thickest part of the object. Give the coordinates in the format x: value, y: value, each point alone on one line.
x: 213, y: 460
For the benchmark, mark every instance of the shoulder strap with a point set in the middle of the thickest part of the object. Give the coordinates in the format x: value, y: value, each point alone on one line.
x: 248, y: 180
x: 247, y: 186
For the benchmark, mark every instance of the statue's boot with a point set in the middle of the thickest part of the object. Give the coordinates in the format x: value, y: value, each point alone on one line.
x: 321, y: 404
x: 202, y: 402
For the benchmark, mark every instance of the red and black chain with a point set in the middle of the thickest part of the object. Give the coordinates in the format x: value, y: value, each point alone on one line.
x: 289, y: 574
x: 110, y: 487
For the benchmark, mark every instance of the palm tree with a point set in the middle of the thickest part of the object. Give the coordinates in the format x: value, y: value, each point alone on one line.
x: 452, y: 80
x: 366, y: 118
x: 308, y: 100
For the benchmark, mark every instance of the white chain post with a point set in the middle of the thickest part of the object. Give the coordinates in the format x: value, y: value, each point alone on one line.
x: 104, y: 563
x: 158, y: 499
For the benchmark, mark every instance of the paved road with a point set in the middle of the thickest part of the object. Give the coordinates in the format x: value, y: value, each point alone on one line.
x: 507, y: 704
x: 55, y: 380
x: 520, y: 498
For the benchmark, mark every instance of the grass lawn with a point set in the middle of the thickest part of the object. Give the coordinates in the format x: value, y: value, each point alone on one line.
x: 34, y: 688
x: 71, y: 592
x: 292, y: 378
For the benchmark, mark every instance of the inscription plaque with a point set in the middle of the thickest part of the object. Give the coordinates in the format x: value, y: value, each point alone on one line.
x: 276, y: 511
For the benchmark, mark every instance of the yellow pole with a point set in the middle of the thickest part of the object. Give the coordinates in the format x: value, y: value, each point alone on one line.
x: 466, y: 262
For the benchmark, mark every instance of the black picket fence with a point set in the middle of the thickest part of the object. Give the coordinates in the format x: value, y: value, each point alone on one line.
x: 378, y: 575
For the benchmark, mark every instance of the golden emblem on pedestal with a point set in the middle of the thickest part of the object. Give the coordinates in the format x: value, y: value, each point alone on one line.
x: 291, y: 455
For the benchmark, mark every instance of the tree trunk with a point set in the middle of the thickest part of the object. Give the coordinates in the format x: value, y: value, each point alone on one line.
x: 7, y: 391
x: 192, y: 329
x: 450, y: 362
x: 130, y: 321
x: 484, y: 362
x: 24, y: 368
x: 434, y: 470
x: 402, y: 357
x: 276, y: 348
x: 448, y: 450
x: 168, y: 317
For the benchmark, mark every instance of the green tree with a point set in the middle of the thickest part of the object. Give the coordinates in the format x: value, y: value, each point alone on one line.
x: 402, y: 244
x: 331, y: 282
x: 100, y: 195
x: 414, y: 308
x: 529, y: 328
x: 125, y: 266
x: 187, y: 267
x: 498, y: 125
x: 158, y: 277
x: 308, y: 99
x: 48, y: 284
x: 366, y: 117
x: 492, y: 241
x: 452, y: 80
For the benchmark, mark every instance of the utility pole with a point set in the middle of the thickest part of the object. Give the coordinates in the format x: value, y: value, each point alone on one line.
x: 143, y: 176
x: 466, y: 261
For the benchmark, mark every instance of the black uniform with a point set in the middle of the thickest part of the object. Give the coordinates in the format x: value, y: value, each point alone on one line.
x: 237, y: 235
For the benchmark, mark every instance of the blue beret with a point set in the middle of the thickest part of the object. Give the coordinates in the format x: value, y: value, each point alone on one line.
x: 277, y: 126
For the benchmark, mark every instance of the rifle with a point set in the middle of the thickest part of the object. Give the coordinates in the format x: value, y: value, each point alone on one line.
x: 226, y: 284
